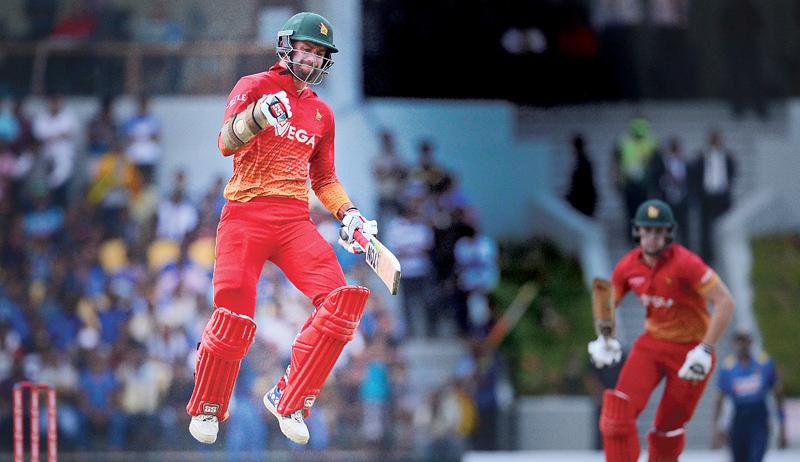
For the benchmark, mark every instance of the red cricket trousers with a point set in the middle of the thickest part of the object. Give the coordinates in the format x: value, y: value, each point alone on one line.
x: 651, y: 360
x: 277, y: 229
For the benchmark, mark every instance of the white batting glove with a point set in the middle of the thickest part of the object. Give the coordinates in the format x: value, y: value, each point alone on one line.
x: 605, y: 351
x: 697, y: 364
x: 276, y: 108
x: 352, y: 221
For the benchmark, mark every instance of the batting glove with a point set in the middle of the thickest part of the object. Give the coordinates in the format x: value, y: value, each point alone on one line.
x: 352, y: 221
x: 697, y: 364
x: 276, y: 108
x: 605, y: 351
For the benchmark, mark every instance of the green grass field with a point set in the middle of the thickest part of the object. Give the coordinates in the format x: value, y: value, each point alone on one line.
x: 776, y: 283
x: 547, y: 349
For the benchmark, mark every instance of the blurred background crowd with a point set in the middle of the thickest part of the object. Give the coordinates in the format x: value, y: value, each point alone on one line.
x: 106, y: 283
x: 106, y: 246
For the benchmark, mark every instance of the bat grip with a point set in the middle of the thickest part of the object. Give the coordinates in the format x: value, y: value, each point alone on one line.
x: 360, y: 238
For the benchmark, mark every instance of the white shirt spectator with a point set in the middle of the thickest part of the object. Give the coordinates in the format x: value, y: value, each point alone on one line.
x: 57, y: 132
x: 176, y: 218
x: 411, y: 240
x: 142, y: 132
x: 715, y: 180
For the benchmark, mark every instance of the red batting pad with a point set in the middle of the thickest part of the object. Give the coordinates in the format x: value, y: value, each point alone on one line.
x: 319, y: 344
x: 665, y: 446
x: 618, y: 425
x: 226, y: 339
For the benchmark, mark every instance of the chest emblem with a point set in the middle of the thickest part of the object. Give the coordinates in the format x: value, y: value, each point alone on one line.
x: 318, y: 116
x: 669, y: 281
x: 636, y: 281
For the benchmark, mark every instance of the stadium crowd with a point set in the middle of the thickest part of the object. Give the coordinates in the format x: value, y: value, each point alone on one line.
x: 104, y: 279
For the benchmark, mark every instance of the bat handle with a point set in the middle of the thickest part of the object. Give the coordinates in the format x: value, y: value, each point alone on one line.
x: 360, y: 238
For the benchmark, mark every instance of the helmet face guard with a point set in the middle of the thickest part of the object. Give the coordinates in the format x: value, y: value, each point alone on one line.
x: 288, y: 53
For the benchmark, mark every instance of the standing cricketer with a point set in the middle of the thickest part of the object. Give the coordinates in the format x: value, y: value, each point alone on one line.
x: 675, y: 286
x: 747, y: 378
x: 279, y: 134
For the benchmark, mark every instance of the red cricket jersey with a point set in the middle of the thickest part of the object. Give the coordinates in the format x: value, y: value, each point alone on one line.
x: 279, y: 160
x: 672, y: 292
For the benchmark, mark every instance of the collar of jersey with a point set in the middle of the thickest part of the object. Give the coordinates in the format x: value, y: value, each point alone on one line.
x: 285, y: 81
x: 664, y: 257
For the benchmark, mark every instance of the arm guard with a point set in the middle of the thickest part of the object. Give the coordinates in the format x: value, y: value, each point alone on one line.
x: 242, y: 127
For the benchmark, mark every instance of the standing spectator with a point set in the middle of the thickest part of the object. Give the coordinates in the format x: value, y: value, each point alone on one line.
x: 177, y: 216
x: 102, y: 129
x: 114, y: 184
x: 713, y: 171
x: 411, y: 239
x: 747, y: 380
x: 428, y: 173
x: 57, y: 130
x: 24, y: 139
x: 582, y: 194
x: 477, y: 273
x: 632, y: 155
x: 374, y: 392
x: 143, y: 135
x: 670, y: 183
x: 389, y: 173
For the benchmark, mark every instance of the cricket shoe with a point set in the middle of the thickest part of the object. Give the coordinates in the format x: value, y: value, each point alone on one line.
x: 204, y: 428
x: 292, y: 425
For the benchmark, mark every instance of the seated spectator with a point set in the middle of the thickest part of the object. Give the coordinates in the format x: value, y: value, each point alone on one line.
x: 143, y: 137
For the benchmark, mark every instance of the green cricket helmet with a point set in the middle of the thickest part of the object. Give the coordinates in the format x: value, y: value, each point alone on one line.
x: 654, y: 213
x: 308, y: 27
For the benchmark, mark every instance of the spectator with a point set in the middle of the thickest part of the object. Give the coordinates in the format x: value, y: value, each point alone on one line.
x: 670, y: 183
x: 177, y: 217
x: 411, y: 240
x: 103, y: 129
x: 57, y: 130
x: 427, y: 173
x: 375, y: 394
x: 582, y: 194
x: 143, y: 136
x: 747, y: 380
x: 389, y: 173
x: 476, y: 266
x: 714, y: 171
x: 632, y: 155
x: 115, y: 183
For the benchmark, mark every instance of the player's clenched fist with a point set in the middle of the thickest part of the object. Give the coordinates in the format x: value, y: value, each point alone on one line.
x: 605, y: 351
x: 276, y: 107
x: 352, y: 221
x: 697, y: 364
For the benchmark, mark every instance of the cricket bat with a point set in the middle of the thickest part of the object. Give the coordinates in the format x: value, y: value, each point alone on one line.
x: 602, y: 307
x: 381, y: 260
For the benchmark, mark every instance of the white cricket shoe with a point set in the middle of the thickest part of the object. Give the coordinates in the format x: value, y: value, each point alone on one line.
x: 204, y: 428
x: 292, y: 425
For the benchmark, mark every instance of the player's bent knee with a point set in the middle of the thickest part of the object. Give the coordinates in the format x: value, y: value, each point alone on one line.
x: 618, y: 417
